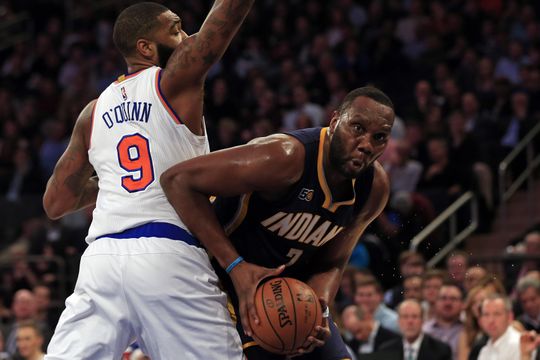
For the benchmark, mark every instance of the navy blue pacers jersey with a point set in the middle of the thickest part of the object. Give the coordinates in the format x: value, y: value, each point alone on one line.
x: 291, y: 229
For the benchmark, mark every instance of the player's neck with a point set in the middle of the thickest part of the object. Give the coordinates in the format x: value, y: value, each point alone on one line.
x: 135, y: 65
x: 334, y: 178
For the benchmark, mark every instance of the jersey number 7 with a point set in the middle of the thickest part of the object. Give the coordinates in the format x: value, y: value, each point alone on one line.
x: 134, y: 157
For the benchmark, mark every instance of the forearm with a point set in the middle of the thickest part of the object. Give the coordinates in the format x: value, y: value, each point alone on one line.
x: 61, y: 199
x: 197, y: 214
x: 326, y: 284
x: 88, y: 194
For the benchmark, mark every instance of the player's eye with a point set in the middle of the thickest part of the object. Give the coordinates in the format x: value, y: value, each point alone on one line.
x: 359, y: 129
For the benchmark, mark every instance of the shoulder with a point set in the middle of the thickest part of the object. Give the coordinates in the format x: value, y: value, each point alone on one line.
x: 380, y: 178
x: 83, y: 125
x: 280, y: 145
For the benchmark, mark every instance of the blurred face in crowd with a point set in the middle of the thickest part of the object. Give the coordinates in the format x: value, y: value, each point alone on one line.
x: 457, y: 266
x: 478, y: 298
x: 412, y: 288
x: 532, y: 243
x: 473, y: 276
x: 368, y: 297
x: 412, y: 266
x: 449, y: 304
x: 410, y: 319
x: 29, y: 342
x: 430, y: 289
x: 24, y: 305
x: 495, y: 318
x: 42, y: 295
x: 530, y: 302
x: 359, y: 328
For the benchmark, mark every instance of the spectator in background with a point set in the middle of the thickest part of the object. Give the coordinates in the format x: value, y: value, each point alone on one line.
x: 54, y: 144
x: 531, y: 246
x: 363, y: 334
x: 473, y: 276
x: 369, y: 295
x: 412, y: 288
x: 515, y: 127
x: 496, y: 321
x: 404, y: 172
x: 432, y: 281
x: 415, y: 344
x: 446, y: 325
x: 24, y: 177
x: 442, y: 179
x: 30, y: 341
x: 24, y: 309
x: 456, y: 265
x: 45, y: 312
x: 410, y: 263
x: 509, y: 66
x: 528, y: 293
x: 303, y: 105
x: 472, y: 339
x: 345, y: 294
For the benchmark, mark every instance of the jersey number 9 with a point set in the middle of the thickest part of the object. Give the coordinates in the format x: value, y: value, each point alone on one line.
x: 134, y: 157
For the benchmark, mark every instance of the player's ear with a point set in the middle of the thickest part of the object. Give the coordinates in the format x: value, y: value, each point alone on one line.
x: 333, y: 122
x: 146, y: 48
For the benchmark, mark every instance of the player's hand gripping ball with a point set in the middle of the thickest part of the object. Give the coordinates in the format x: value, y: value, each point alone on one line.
x: 289, y: 311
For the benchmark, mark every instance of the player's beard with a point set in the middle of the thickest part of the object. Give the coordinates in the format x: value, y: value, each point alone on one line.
x: 339, y: 157
x: 164, y: 53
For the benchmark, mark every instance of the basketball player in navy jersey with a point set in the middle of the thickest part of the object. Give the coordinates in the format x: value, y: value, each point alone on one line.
x: 299, y: 200
x: 143, y: 276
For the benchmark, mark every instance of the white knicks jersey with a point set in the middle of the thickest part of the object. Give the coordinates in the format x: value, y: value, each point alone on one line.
x: 135, y: 137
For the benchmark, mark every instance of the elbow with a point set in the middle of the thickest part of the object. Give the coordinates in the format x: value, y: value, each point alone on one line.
x: 52, y: 208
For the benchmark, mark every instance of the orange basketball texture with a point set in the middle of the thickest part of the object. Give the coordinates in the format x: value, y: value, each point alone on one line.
x: 288, y: 311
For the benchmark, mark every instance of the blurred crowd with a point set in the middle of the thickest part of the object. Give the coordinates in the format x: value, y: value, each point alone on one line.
x: 464, y: 76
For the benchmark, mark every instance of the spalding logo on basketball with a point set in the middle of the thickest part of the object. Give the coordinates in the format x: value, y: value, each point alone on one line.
x: 288, y: 312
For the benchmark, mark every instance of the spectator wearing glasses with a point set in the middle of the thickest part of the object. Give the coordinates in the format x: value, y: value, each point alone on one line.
x: 446, y: 325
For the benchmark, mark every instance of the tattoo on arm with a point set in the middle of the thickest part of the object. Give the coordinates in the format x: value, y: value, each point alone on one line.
x: 208, y: 45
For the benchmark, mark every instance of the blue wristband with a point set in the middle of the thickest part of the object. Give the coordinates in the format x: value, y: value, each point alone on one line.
x: 233, y: 264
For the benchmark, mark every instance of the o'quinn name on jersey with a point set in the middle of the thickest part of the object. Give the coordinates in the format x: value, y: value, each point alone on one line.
x: 302, y: 227
x: 127, y: 111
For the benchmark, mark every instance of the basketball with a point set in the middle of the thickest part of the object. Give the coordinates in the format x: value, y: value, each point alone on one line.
x: 289, y: 311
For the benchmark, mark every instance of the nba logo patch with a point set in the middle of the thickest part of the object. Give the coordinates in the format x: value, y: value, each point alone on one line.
x: 306, y: 194
x: 123, y: 91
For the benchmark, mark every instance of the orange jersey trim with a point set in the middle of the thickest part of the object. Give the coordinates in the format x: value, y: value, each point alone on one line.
x: 128, y: 76
x: 329, y: 204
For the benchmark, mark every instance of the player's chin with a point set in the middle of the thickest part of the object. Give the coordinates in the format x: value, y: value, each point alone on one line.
x: 353, y: 170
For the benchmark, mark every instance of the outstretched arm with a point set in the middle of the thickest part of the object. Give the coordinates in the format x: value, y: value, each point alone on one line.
x: 187, y: 68
x: 71, y: 186
x: 268, y: 165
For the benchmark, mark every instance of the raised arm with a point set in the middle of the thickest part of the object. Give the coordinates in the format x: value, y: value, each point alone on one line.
x: 269, y: 165
x: 183, y: 78
x: 71, y: 186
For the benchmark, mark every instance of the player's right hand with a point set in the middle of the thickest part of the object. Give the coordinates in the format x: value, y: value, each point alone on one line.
x: 246, y: 277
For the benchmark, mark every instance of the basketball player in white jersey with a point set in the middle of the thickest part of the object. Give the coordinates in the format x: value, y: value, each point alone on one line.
x: 143, y: 276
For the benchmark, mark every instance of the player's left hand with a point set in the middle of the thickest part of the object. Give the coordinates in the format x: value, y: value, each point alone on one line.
x: 322, y: 333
